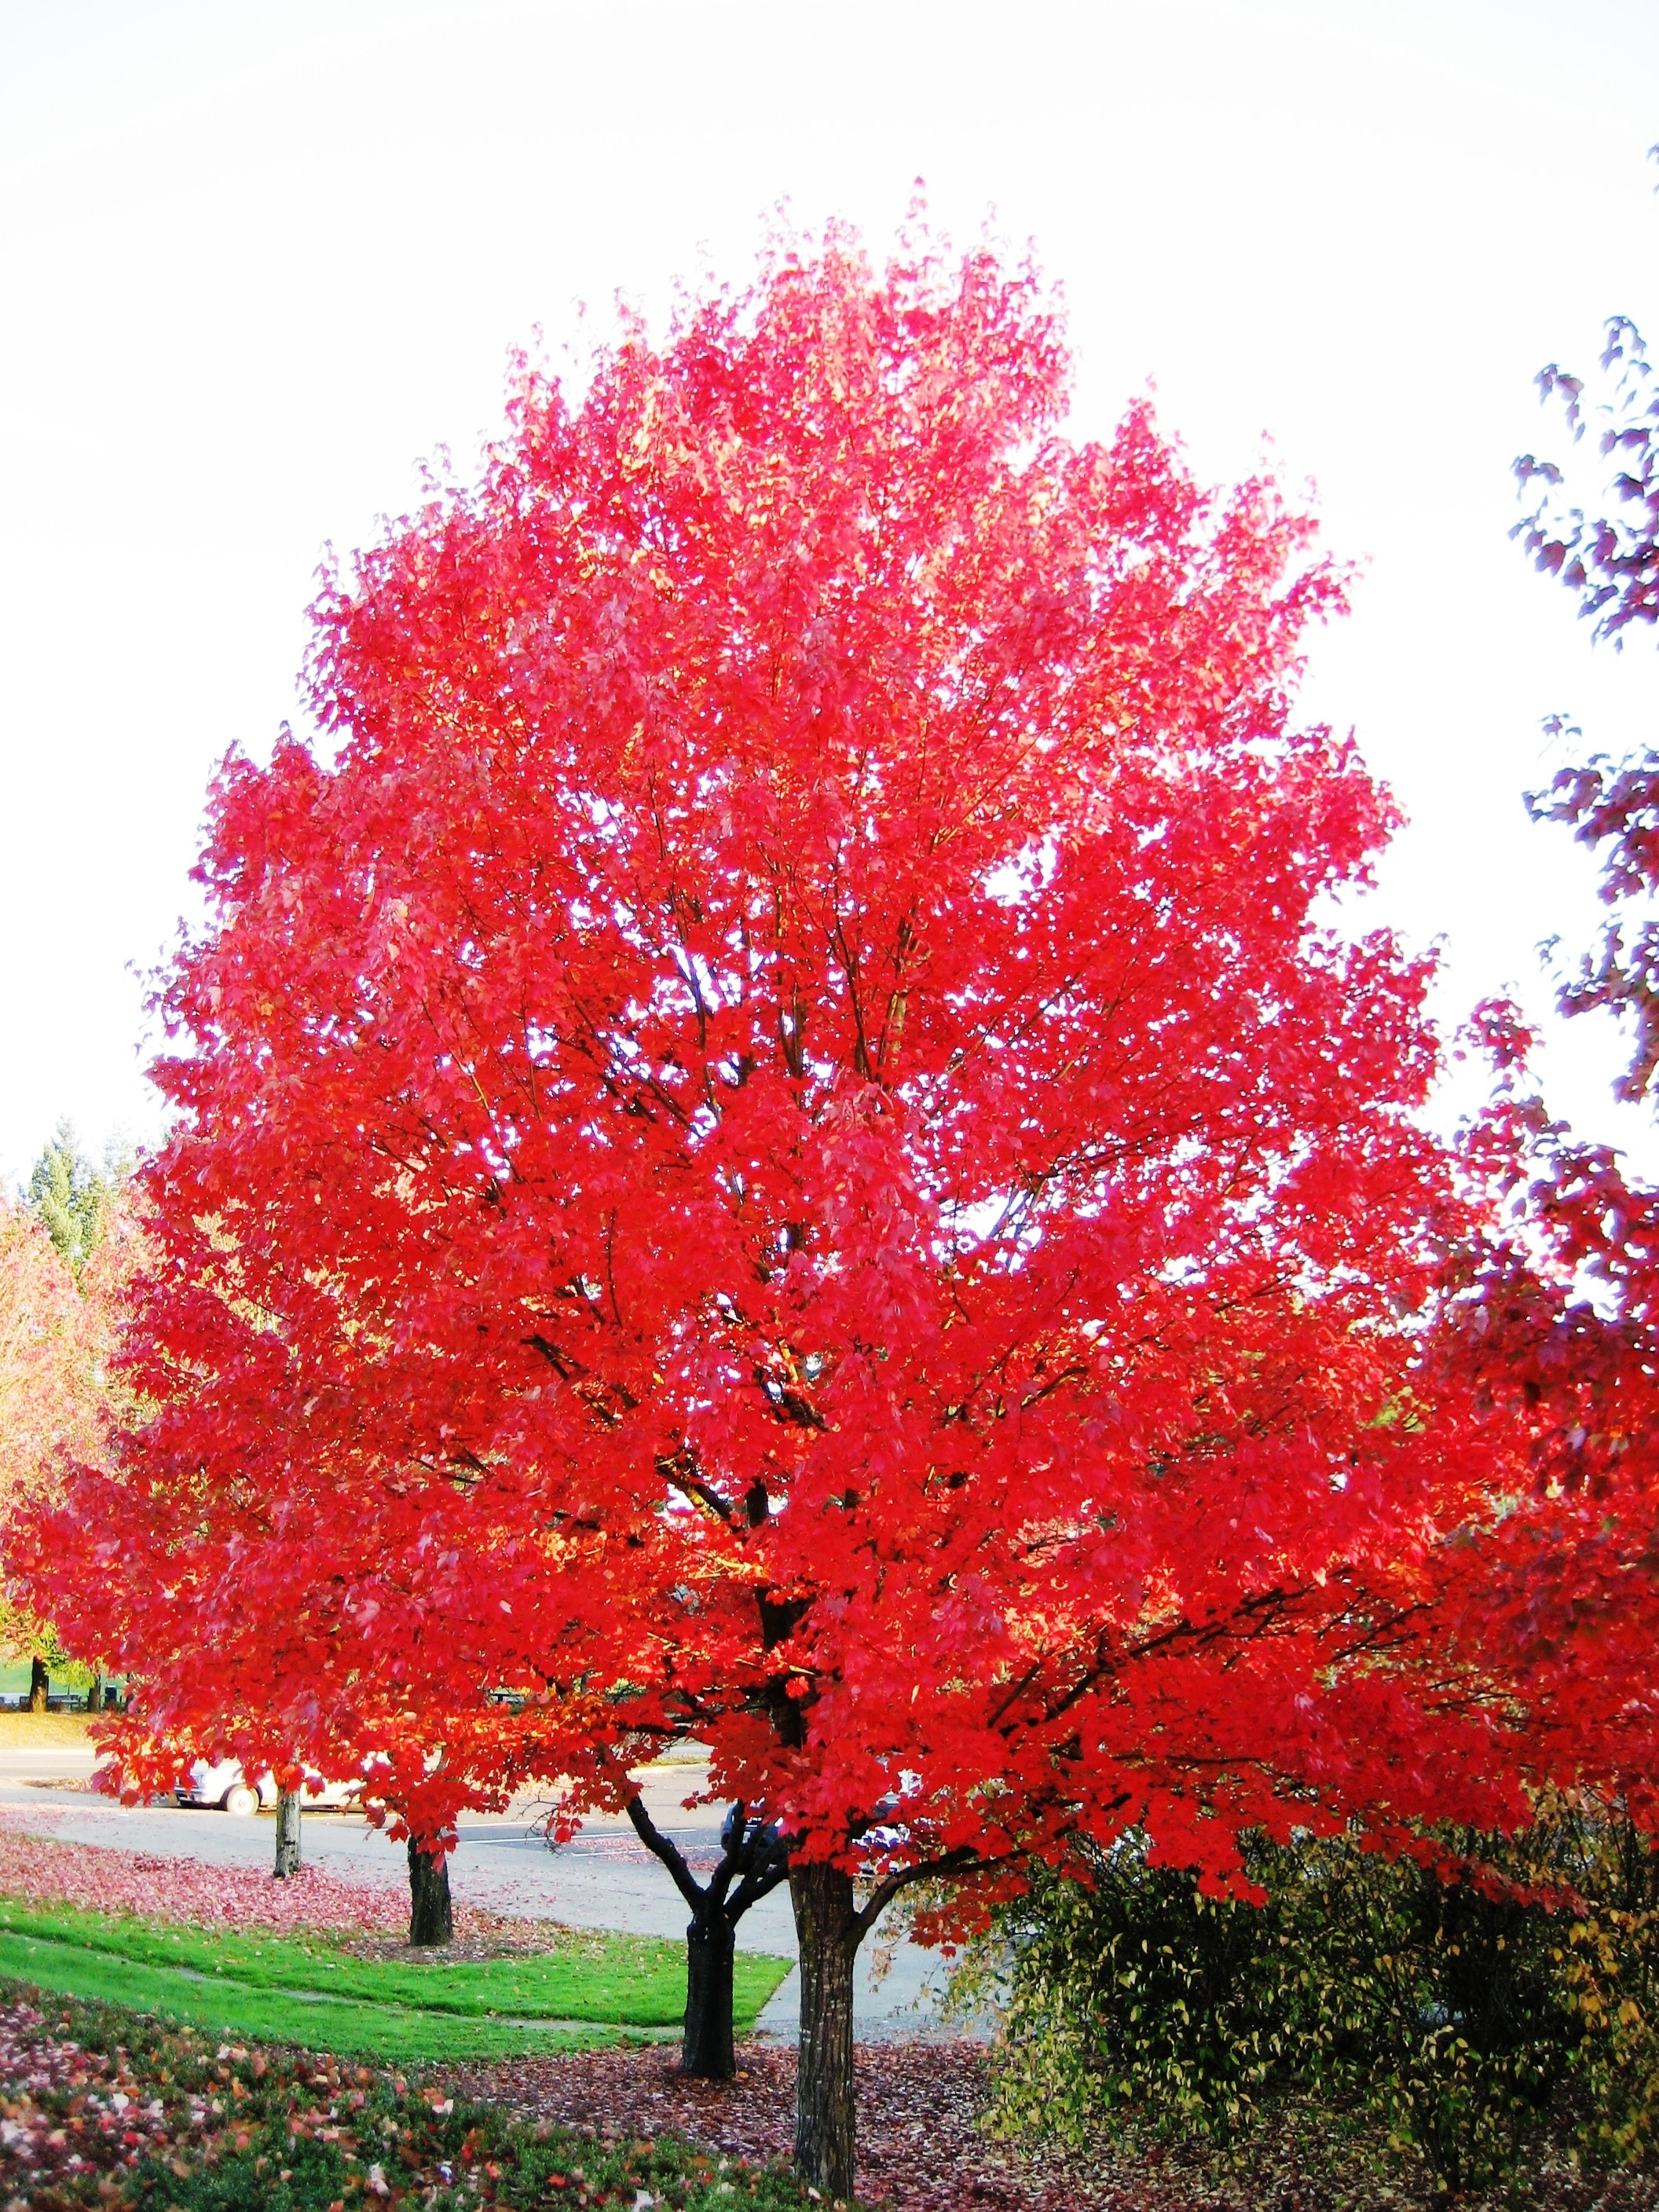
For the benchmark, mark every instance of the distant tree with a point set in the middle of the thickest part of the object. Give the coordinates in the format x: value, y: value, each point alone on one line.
x: 47, y: 1396
x: 72, y: 1198
x: 64, y: 1255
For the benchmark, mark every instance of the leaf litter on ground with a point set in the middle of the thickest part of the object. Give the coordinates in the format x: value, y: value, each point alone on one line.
x: 922, y: 2147
x: 103, y: 2109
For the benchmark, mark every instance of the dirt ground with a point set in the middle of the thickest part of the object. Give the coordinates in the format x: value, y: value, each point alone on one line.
x: 920, y: 2148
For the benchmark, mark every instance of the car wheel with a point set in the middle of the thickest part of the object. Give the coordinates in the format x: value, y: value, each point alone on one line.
x: 241, y: 1800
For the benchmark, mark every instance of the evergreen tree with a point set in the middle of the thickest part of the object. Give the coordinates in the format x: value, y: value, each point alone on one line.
x: 72, y: 1198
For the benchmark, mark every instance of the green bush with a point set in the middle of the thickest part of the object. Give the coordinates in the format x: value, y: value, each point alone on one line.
x: 1610, y: 1961
x: 1459, y: 2019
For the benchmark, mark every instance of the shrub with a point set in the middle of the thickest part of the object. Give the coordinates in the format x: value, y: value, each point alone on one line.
x: 1457, y: 2008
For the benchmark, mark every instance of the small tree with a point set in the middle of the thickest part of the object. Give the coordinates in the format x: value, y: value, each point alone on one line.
x: 1550, y: 1326
x: 754, y: 1861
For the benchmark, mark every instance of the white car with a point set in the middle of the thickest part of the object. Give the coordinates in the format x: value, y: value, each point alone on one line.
x: 222, y: 1783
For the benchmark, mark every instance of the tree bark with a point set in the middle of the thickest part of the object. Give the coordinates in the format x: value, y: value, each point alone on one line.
x: 709, y: 2051
x: 755, y: 1856
x: 827, y: 1928
x: 288, y: 1833
x: 431, y: 1918
x: 95, y: 1691
x: 39, y: 1685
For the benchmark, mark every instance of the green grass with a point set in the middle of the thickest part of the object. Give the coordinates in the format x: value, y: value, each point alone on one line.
x: 619, y: 1981
x: 595, y: 1986
x: 594, y: 1976
x: 226, y: 2008
x: 201, y: 2128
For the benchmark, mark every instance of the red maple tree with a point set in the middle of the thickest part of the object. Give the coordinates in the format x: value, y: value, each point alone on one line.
x: 778, y: 1141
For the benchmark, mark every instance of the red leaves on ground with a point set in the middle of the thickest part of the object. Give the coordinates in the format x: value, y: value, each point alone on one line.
x: 920, y: 2147
x: 100, y: 1877
x: 106, y: 1878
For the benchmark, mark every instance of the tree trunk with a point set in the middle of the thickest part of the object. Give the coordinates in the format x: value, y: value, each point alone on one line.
x: 755, y: 1856
x: 826, y: 1927
x: 39, y: 1685
x: 95, y: 1691
x: 430, y: 1918
x: 708, y: 2051
x: 288, y: 1833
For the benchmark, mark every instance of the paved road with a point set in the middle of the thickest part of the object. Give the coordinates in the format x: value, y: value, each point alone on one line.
x: 604, y: 1878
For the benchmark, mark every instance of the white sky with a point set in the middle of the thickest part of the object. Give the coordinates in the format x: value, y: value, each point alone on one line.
x: 256, y: 259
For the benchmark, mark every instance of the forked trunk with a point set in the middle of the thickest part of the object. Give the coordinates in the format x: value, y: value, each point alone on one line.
x: 826, y: 1927
x: 431, y: 1918
x: 288, y: 1833
x: 39, y: 1685
x: 754, y: 1861
x: 708, y: 2051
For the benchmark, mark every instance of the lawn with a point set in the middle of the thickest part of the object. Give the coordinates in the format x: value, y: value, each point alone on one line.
x: 32, y: 1730
x: 589, y: 1987
x: 226, y: 2008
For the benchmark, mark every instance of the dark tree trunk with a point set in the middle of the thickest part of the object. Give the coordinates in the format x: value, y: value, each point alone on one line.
x: 95, y: 1691
x: 827, y: 1927
x: 288, y: 1833
x: 431, y: 1918
x: 708, y: 2051
x: 755, y: 1858
x: 39, y: 1685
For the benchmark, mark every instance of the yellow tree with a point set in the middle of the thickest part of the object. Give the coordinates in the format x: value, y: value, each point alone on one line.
x: 52, y: 1337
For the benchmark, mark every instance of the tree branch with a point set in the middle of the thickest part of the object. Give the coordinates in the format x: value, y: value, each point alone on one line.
x: 659, y: 1847
x: 756, y: 1886
x: 951, y: 1864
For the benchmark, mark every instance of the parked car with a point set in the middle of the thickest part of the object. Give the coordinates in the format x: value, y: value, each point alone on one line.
x: 222, y: 1783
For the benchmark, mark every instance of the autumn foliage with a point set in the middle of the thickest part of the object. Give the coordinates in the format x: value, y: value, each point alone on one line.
x: 53, y: 1339
x: 46, y: 1356
x: 785, y: 1133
